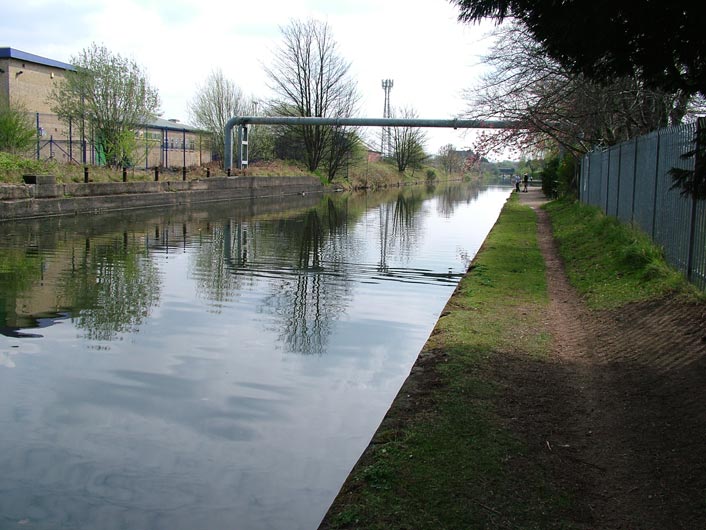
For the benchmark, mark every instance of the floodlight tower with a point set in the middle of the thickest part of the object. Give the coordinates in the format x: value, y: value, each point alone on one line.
x: 386, y: 143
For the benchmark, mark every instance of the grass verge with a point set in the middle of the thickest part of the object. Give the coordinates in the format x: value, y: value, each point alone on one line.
x: 442, y: 458
x: 610, y: 263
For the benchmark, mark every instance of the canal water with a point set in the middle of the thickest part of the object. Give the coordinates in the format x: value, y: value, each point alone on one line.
x: 217, y: 368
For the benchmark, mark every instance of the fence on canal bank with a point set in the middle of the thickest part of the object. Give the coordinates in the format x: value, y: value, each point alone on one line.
x: 633, y: 182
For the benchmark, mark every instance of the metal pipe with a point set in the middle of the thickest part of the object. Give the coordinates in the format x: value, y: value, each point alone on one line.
x: 354, y: 122
x: 38, y: 136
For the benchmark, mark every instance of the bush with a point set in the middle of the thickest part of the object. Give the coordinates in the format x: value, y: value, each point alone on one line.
x: 13, y: 163
x: 17, y: 132
x: 431, y: 175
x: 559, y: 176
x: 549, y: 177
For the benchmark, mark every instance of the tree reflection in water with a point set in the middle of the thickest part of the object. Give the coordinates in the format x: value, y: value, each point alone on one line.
x: 312, y: 239
x: 455, y: 194
x: 308, y: 304
x: 113, y: 283
x: 397, y: 225
x: 20, y: 270
x: 107, y: 279
x: 217, y: 260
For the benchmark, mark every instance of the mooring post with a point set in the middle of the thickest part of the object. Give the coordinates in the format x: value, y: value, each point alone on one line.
x: 124, y: 174
x: 156, y: 173
x: 85, y: 174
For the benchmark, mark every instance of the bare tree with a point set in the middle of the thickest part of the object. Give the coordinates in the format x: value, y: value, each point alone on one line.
x: 557, y: 107
x: 214, y: 103
x: 451, y: 160
x: 312, y: 80
x: 110, y: 94
x: 407, y: 142
x: 343, y: 146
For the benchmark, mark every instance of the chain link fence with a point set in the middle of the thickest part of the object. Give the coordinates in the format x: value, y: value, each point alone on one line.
x: 633, y: 181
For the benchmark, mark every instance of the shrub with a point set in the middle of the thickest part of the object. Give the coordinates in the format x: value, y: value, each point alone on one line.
x: 17, y: 132
x: 559, y: 176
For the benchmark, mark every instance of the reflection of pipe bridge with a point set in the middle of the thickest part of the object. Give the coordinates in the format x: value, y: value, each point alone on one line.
x: 243, y: 121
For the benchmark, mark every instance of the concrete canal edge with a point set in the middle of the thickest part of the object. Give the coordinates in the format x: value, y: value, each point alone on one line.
x: 46, y: 198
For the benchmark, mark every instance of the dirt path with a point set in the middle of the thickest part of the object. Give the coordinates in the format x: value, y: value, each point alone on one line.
x: 617, y: 414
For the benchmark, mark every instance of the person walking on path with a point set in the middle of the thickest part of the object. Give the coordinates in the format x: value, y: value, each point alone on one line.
x: 526, y: 181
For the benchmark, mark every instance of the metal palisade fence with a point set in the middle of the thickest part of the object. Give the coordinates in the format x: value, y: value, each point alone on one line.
x: 160, y: 143
x: 632, y: 181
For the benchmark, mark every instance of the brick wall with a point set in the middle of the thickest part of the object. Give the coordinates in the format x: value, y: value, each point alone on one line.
x: 30, y: 84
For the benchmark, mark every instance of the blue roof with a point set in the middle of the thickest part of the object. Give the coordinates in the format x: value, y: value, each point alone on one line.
x: 12, y: 53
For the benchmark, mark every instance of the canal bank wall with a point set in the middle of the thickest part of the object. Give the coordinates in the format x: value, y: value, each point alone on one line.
x: 45, y: 198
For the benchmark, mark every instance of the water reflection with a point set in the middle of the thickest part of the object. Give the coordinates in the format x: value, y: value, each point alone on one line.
x: 20, y: 270
x: 222, y: 251
x: 308, y: 301
x: 397, y: 226
x: 107, y: 284
x: 110, y: 287
x: 192, y: 368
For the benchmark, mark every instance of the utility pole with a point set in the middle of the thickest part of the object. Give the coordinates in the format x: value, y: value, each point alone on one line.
x: 386, y: 141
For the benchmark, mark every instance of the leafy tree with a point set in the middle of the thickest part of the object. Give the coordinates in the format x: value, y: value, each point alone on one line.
x: 660, y: 43
x: 17, y: 132
x: 312, y: 79
x: 218, y: 100
x: 111, y: 94
x: 558, y: 175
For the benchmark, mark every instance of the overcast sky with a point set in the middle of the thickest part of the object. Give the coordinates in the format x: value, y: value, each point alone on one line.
x: 418, y: 43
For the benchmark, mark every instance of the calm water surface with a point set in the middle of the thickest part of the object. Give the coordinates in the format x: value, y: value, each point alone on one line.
x: 221, y: 368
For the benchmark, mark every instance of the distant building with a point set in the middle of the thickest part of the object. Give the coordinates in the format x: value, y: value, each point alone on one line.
x: 374, y: 155
x: 28, y: 79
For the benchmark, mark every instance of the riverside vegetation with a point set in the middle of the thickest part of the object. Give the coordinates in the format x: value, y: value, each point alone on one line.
x: 362, y: 174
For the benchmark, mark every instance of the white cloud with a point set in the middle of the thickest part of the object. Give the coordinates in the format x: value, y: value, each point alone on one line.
x: 418, y: 43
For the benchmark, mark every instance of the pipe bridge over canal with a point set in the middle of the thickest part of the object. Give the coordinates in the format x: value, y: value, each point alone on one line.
x: 242, y: 123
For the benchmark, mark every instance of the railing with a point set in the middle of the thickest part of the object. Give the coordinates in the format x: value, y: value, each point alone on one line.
x: 632, y: 181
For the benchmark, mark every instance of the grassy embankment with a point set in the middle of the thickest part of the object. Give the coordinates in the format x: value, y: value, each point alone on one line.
x: 359, y: 175
x: 445, y: 460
